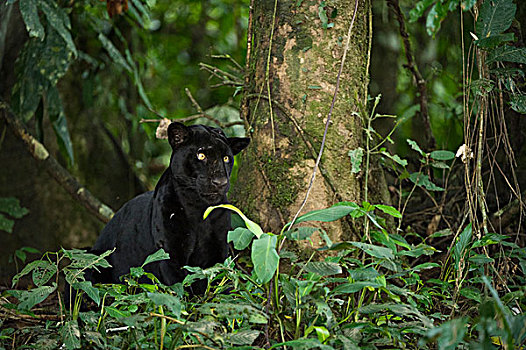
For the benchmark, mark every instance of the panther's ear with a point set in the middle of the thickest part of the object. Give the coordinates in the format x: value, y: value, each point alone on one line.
x: 237, y: 144
x: 177, y: 134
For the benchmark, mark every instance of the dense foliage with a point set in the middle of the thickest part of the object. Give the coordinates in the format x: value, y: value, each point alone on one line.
x: 407, y: 284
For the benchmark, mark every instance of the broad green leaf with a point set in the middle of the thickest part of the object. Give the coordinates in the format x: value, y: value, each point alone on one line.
x: 116, y: 313
x: 471, y: 293
x: 423, y: 181
x: 251, y: 225
x: 507, y: 54
x: 418, y: 11
x: 323, y: 268
x: 374, y: 250
x: 322, y: 333
x: 157, y: 256
x: 442, y: 233
x: 70, y: 334
x: 356, y: 156
x: 170, y: 301
x: 11, y: 206
x: 424, y: 266
x: 265, y: 257
x: 442, y: 155
x: 58, y: 19
x: 27, y: 269
x: 495, y: 17
x: 242, y: 337
x: 435, y: 17
x: 115, y: 55
x: 43, y: 272
x: 495, y: 40
x: 301, y: 233
x: 241, y: 237
x: 389, y: 210
x: 6, y: 224
x: 462, y: 243
x: 29, y: 12
x: 328, y: 214
x: 415, y: 146
x: 518, y: 103
x: 422, y: 249
x: 88, y: 288
x: 29, y: 298
x: 355, y: 287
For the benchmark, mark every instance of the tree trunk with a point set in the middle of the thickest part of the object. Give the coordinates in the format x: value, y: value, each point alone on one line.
x: 287, y: 133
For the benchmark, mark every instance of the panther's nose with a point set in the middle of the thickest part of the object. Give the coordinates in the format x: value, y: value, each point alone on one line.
x: 220, y: 183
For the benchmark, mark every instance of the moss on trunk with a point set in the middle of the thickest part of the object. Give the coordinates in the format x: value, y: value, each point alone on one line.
x: 302, y: 70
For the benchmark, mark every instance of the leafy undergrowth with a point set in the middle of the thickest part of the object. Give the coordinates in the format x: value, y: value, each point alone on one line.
x: 388, y: 292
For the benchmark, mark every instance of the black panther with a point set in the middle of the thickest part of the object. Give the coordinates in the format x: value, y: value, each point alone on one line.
x: 171, y: 216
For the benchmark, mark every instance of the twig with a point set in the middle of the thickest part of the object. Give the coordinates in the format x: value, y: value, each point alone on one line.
x: 228, y: 57
x: 420, y: 81
x: 39, y: 152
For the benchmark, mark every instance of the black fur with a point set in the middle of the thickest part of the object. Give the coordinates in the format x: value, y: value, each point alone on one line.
x: 171, y: 217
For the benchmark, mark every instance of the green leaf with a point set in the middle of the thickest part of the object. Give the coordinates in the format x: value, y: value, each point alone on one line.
x: 322, y: 333
x: 395, y: 158
x: 115, y: 55
x: 116, y: 313
x: 423, y: 181
x: 241, y: 237
x: 251, y: 225
x: 518, y: 103
x: 43, y: 272
x: 442, y: 155
x: 157, y: 256
x: 356, y: 159
x: 471, y: 293
x: 170, y: 301
x: 58, y: 19
x: 495, y: 40
x: 374, y: 250
x: 242, y: 337
x: 355, y: 287
x: 436, y: 15
x: 507, y: 54
x: 462, y: 243
x: 70, y: 334
x: 88, y: 288
x: 27, y: 269
x: 265, y: 257
x: 29, y: 12
x: 424, y: 266
x: 415, y: 146
x: 389, y: 210
x: 300, y: 233
x: 11, y: 206
x: 495, y: 17
x: 6, y: 224
x: 328, y: 214
x: 418, y: 11
x: 323, y: 268
x: 450, y: 334
x: 29, y: 298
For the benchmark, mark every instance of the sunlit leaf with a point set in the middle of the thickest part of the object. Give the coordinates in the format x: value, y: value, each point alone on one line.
x: 389, y: 210
x: 265, y: 257
x: 251, y: 225
x: 157, y: 256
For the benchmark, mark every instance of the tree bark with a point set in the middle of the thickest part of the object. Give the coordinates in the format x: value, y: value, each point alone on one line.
x: 287, y: 123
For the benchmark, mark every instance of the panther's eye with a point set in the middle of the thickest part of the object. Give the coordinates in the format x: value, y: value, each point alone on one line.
x: 226, y: 159
x: 201, y: 156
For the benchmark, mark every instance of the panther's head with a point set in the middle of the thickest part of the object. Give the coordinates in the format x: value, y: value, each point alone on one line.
x: 202, y: 160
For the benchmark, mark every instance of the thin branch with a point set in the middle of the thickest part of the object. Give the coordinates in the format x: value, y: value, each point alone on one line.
x: 39, y: 152
x: 413, y: 68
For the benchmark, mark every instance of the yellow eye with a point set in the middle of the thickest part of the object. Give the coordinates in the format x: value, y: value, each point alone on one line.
x: 226, y: 159
x: 201, y: 156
